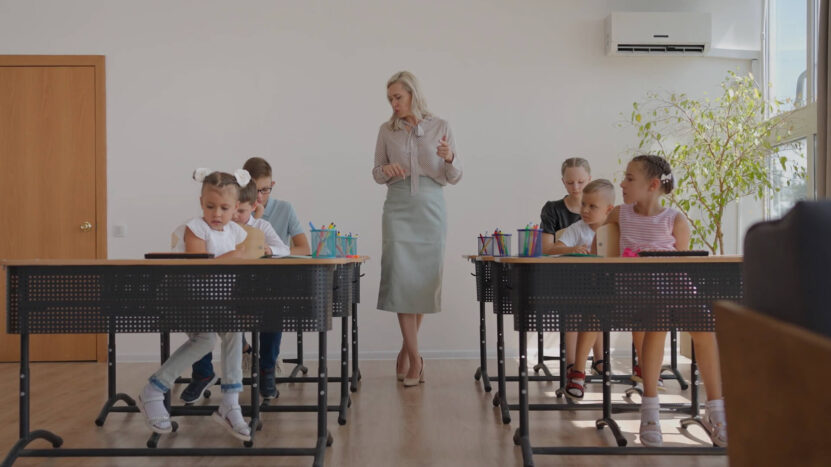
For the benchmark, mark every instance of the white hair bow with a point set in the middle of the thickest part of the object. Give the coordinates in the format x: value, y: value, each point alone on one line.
x: 666, y: 177
x: 242, y: 176
x: 200, y: 174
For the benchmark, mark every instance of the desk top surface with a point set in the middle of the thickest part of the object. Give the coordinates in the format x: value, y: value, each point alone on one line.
x: 183, y: 262
x: 602, y: 260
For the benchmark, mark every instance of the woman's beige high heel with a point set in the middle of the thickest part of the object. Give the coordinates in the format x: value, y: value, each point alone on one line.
x: 410, y: 382
x: 400, y: 376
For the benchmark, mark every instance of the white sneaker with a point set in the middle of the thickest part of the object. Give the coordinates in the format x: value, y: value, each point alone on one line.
x: 650, y: 431
x: 156, y: 416
x: 717, y: 426
x: 231, y: 418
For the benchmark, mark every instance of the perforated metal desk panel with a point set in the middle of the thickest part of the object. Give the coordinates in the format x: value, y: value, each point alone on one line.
x: 100, y: 296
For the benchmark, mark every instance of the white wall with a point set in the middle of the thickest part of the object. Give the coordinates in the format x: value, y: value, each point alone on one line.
x: 210, y: 83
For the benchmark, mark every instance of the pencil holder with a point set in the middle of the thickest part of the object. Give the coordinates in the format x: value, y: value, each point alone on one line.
x: 529, y: 242
x: 346, y: 246
x: 324, y: 243
x: 484, y: 246
x: 502, y: 245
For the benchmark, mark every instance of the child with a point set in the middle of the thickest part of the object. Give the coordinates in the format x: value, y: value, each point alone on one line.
x: 598, y: 201
x: 557, y: 215
x: 212, y: 233
x: 646, y: 225
x: 280, y: 214
x: 203, y: 375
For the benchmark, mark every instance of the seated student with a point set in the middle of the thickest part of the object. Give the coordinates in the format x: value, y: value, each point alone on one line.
x: 647, y: 225
x: 559, y: 214
x: 213, y: 232
x: 597, y: 202
x: 203, y: 375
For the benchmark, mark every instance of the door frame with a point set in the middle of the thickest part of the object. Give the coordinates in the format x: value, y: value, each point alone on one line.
x: 97, y: 62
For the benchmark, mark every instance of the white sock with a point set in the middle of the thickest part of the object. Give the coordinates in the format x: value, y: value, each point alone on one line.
x: 230, y: 399
x: 150, y: 392
x: 650, y: 407
x: 154, y: 408
x: 715, y: 410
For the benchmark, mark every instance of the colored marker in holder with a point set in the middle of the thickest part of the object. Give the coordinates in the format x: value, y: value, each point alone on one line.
x: 324, y: 243
x: 502, y: 243
x: 485, y: 245
x: 529, y: 242
x: 347, y: 246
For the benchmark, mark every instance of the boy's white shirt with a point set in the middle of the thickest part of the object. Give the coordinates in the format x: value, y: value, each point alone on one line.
x: 278, y: 248
x: 577, y: 234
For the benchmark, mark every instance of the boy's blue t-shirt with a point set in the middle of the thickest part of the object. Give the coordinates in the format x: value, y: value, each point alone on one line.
x: 281, y: 216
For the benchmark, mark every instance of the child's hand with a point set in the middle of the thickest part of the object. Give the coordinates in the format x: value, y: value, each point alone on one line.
x: 258, y: 211
x: 443, y: 150
x: 268, y: 250
x: 394, y: 170
x: 581, y: 249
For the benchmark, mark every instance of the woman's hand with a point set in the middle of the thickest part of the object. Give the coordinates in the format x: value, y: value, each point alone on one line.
x: 394, y: 170
x: 443, y: 150
x: 581, y: 249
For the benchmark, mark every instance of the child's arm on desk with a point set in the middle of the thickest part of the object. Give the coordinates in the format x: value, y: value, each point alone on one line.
x: 194, y: 244
x: 561, y: 248
x: 300, y: 245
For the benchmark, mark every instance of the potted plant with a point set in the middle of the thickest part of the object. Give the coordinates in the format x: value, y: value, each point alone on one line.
x: 720, y: 150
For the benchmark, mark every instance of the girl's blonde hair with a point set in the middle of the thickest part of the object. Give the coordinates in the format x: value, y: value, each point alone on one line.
x: 575, y: 162
x: 220, y: 181
x: 418, y: 104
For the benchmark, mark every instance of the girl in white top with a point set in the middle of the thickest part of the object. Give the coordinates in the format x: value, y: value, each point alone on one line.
x: 212, y: 233
x: 646, y: 225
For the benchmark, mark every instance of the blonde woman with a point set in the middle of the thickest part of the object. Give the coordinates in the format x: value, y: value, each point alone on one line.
x: 415, y: 156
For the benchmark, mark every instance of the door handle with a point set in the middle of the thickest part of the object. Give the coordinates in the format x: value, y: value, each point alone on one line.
x: 86, y: 227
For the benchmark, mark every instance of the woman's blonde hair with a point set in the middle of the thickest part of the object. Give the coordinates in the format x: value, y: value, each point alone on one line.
x: 418, y: 104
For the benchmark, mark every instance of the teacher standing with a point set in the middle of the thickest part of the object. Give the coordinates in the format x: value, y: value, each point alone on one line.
x: 415, y: 157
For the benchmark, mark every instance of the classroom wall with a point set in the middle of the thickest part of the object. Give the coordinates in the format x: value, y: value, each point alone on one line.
x: 210, y: 83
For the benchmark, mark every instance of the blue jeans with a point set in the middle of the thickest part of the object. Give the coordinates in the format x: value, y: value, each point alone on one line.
x: 269, y: 350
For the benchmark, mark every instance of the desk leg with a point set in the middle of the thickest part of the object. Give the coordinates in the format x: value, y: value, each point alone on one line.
x: 324, y: 438
x: 26, y: 436
x: 112, y: 396
x: 500, y: 399
x: 482, y: 371
x: 695, y: 407
x: 298, y: 362
x: 523, y: 431
x: 256, y: 423
x: 356, y: 371
x: 673, y: 366
x: 345, y: 401
x: 607, y: 395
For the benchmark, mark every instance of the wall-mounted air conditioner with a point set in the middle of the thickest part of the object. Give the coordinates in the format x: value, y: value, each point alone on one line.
x: 681, y: 33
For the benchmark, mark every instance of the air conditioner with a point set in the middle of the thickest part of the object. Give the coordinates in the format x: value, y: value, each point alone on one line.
x: 681, y: 33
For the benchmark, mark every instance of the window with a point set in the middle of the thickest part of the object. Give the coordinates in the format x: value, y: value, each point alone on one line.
x: 789, y: 47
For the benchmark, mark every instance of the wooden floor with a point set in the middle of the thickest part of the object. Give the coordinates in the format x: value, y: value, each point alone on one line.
x: 448, y: 421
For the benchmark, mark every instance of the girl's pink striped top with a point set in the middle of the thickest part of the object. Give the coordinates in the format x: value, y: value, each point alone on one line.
x: 639, y: 232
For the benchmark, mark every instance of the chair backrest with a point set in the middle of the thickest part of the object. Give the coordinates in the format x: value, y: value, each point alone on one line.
x: 558, y: 234
x: 755, y: 350
x: 608, y: 240
x: 177, y: 239
x: 254, y: 242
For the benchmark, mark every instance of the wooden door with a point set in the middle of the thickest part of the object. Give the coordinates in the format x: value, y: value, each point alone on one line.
x: 52, y: 154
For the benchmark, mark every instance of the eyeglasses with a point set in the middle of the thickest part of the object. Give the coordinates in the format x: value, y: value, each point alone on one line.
x: 264, y: 191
